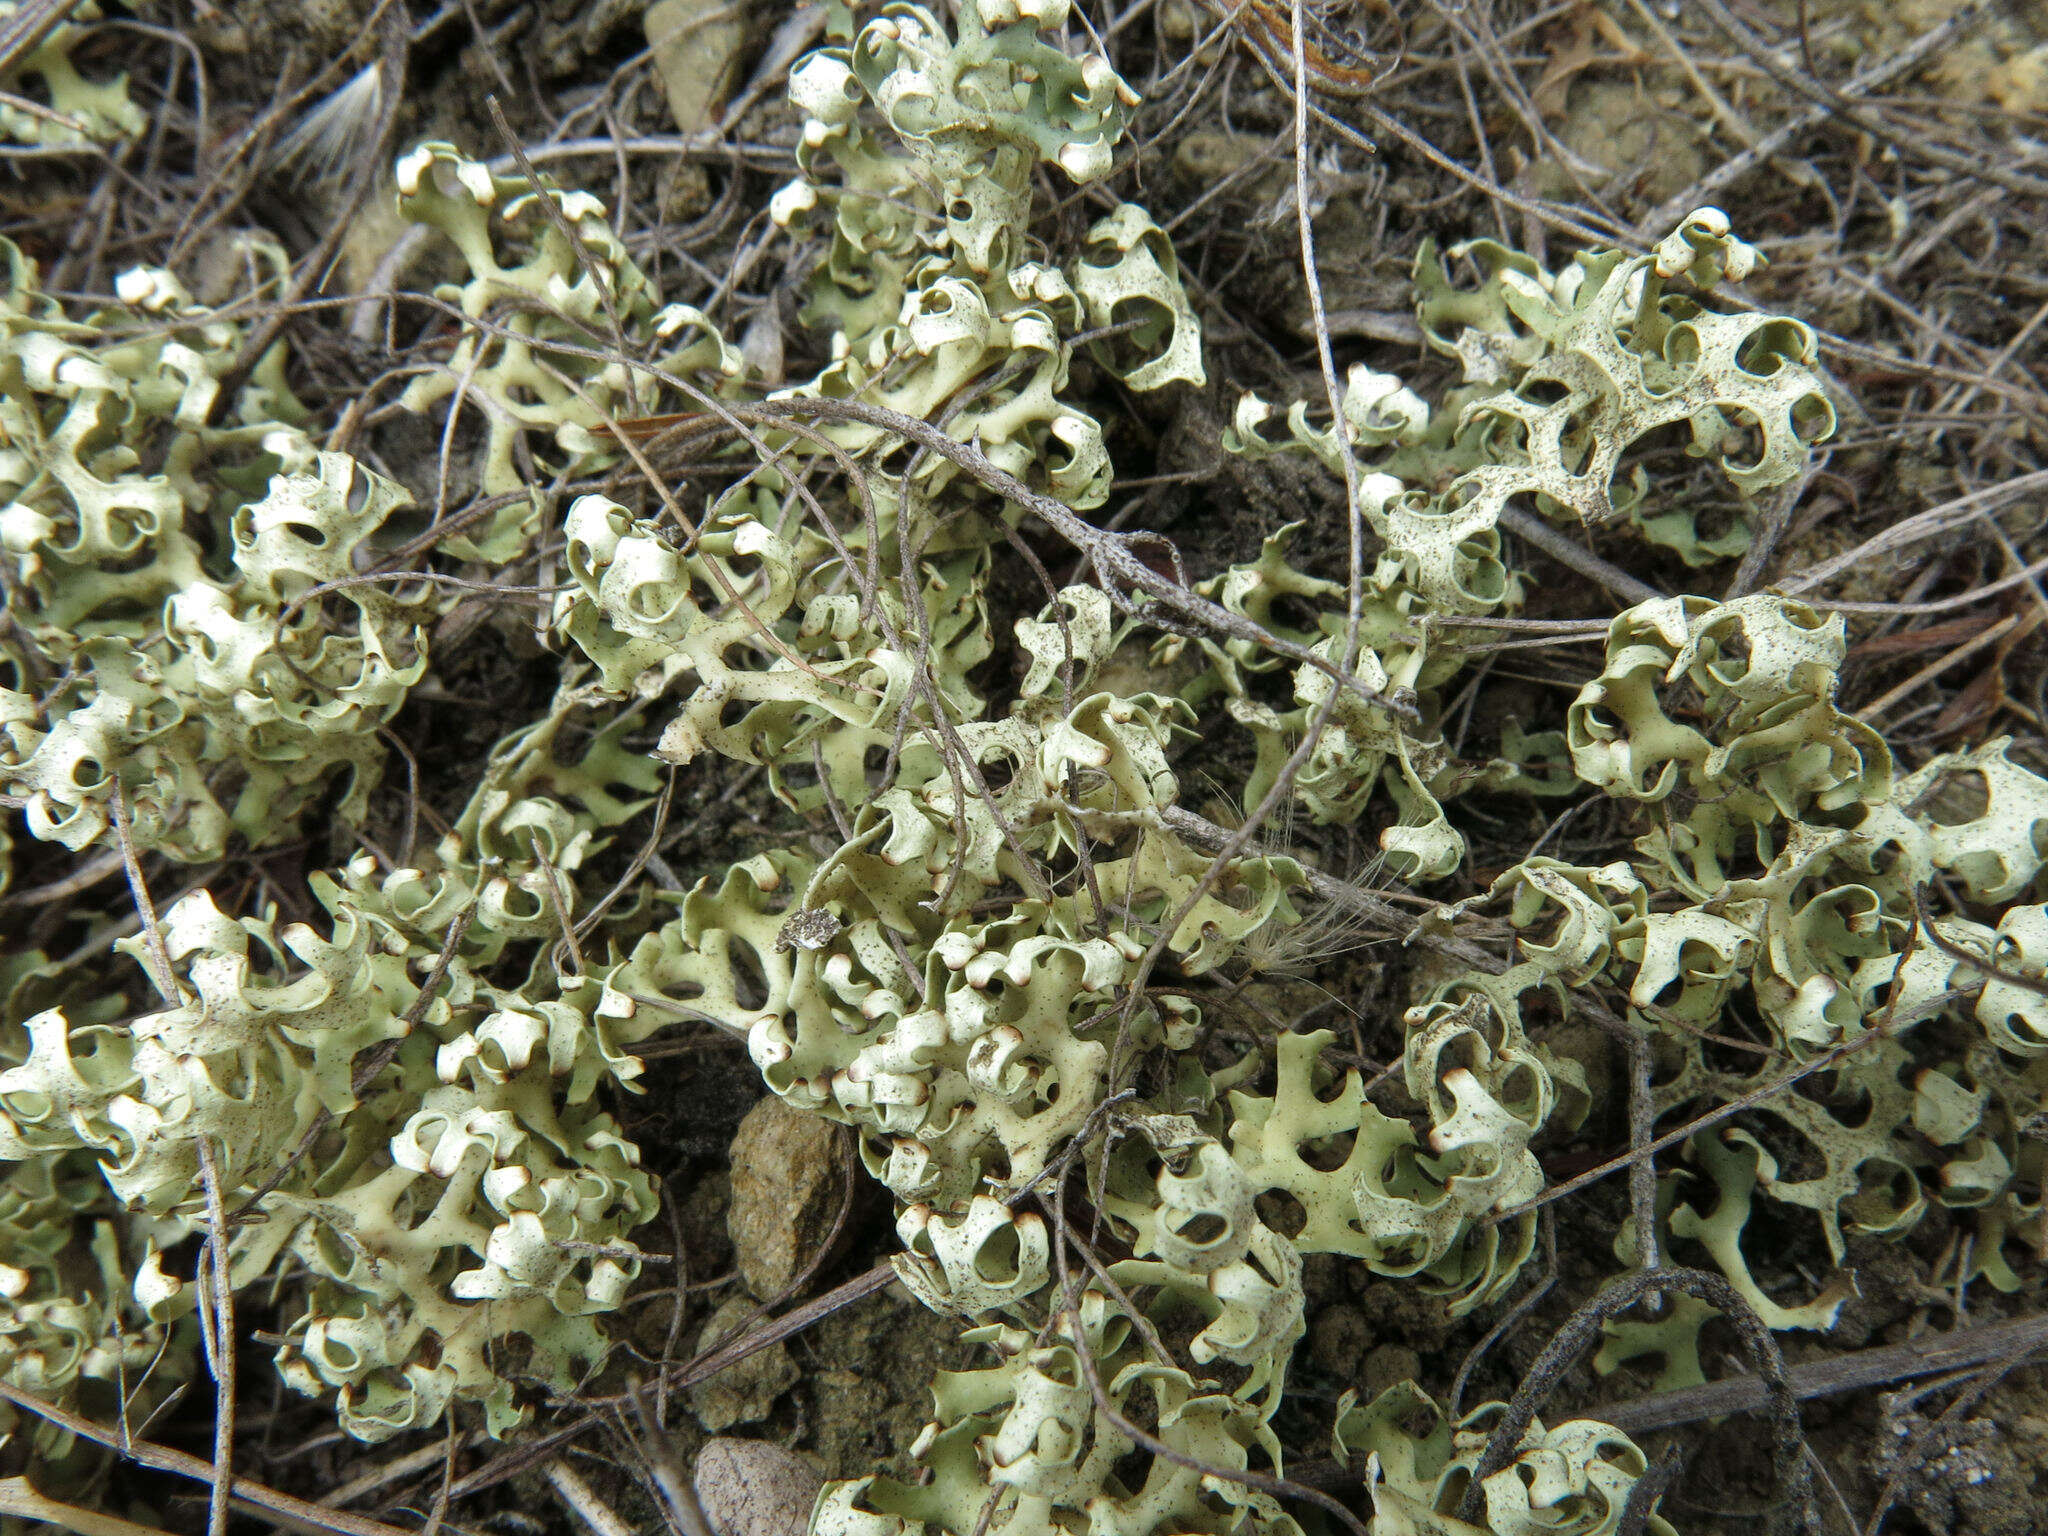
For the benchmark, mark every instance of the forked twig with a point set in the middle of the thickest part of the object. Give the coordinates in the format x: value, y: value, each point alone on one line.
x: 1110, y: 553
x: 19, y: 1498
x: 1934, y: 1355
x: 1933, y: 522
x: 161, y: 975
x: 218, y: 1317
x: 161, y: 1458
x: 1570, y: 1341
x: 512, y: 1462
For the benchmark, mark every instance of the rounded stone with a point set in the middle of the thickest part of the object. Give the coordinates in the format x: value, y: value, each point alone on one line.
x: 754, y: 1488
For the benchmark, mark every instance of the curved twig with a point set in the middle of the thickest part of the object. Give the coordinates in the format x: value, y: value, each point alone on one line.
x: 1789, y: 1471
x: 161, y: 1458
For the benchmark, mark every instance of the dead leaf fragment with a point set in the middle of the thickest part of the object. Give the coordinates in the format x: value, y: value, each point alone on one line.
x: 696, y: 47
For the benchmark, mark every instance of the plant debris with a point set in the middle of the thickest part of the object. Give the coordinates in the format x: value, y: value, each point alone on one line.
x: 1128, y: 767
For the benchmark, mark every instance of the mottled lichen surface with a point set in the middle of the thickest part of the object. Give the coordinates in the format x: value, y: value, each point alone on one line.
x: 409, y: 1097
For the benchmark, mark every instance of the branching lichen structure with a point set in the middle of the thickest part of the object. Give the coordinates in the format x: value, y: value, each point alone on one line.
x: 76, y: 110
x: 996, y: 954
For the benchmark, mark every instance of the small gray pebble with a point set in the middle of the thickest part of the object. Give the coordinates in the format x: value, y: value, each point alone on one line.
x: 754, y: 1488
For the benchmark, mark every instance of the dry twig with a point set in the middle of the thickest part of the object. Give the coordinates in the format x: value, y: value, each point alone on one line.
x: 158, y: 1458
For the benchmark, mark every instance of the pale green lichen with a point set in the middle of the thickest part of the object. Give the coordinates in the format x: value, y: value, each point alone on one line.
x: 1573, y: 1480
x: 1780, y: 875
x: 1563, y: 377
x: 571, y: 285
x: 469, y: 1193
x: 163, y: 646
x: 930, y: 278
x: 1599, y: 356
x: 955, y: 969
x: 76, y: 111
x: 70, y: 1331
